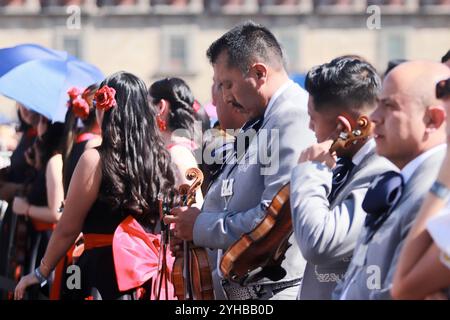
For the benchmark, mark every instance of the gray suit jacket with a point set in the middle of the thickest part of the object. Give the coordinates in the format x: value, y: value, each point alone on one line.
x: 370, y: 275
x: 327, y: 233
x: 256, y: 181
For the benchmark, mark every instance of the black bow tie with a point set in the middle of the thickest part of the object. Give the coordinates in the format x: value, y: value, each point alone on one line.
x: 341, y: 172
x: 382, y: 196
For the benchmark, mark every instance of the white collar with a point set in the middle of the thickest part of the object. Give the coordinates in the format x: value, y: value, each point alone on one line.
x: 409, y: 169
x: 276, y: 95
x: 365, y: 149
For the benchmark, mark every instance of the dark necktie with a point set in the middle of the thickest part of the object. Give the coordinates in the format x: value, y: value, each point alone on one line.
x: 381, y: 198
x: 247, y: 133
x: 341, y: 172
x: 231, y: 156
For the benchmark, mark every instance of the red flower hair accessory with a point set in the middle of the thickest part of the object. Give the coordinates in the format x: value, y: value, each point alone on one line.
x: 105, y: 98
x: 80, y: 108
x: 73, y: 93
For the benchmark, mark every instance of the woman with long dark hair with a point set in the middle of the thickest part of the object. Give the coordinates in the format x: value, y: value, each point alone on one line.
x: 43, y: 200
x: 46, y: 189
x: 12, y: 182
x: 44, y: 194
x: 77, y: 140
x: 173, y: 101
x: 81, y: 132
x: 120, y: 182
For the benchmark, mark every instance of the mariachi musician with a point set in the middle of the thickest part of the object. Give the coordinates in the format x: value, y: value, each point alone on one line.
x: 252, y: 78
x: 327, y: 188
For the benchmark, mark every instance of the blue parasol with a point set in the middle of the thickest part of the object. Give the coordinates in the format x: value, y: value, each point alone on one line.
x: 13, y: 56
x: 41, y: 84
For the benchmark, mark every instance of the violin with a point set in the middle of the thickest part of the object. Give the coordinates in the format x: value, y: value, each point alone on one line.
x: 191, y: 275
x: 261, y: 251
x: 362, y: 130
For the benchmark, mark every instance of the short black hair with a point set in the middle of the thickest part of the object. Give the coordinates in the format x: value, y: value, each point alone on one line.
x: 446, y: 57
x: 245, y: 43
x: 344, y: 83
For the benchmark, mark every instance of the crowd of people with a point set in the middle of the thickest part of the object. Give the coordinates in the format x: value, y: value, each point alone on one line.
x: 365, y: 157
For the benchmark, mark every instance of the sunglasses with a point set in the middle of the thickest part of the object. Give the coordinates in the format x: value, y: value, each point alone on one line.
x: 443, y: 89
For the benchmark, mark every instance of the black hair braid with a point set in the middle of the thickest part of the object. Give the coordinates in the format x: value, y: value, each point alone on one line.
x: 179, y: 95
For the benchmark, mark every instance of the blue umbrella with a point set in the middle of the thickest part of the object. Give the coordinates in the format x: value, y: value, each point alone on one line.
x: 14, y: 56
x: 42, y: 84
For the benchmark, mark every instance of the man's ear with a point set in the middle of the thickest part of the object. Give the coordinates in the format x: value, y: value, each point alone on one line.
x: 434, y: 117
x: 260, y: 72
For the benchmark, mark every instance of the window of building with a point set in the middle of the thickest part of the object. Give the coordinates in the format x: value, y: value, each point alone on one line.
x: 286, y: 6
x: 392, y: 45
x: 176, y: 6
x: 70, y: 41
x: 177, y: 45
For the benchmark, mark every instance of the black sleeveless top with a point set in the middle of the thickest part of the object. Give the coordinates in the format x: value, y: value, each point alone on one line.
x: 102, y: 219
x: 20, y: 170
x: 37, y: 196
x: 97, y: 265
x: 99, y: 280
x: 72, y: 160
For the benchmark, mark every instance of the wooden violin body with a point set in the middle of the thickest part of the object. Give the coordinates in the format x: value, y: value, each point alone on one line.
x: 265, y: 246
x: 252, y: 250
x: 191, y: 275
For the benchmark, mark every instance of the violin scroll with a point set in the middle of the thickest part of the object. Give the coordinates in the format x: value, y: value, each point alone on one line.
x: 187, y: 192
x: 196, y: 175
x: 347, y: 138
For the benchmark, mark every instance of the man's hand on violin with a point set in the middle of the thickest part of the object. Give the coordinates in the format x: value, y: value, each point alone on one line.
x: 319, y: 152
x: 184, y: 219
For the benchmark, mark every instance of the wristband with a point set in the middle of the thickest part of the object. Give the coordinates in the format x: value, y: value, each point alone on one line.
x: 42, y: 280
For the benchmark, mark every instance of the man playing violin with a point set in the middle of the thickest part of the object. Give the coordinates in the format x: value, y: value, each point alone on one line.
x: 410, y: 131
x: 249, y: 70
x: 326, y: 195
